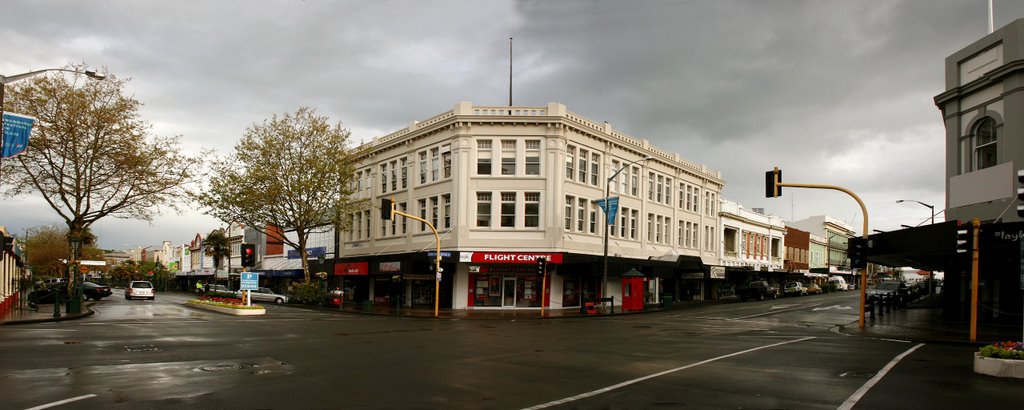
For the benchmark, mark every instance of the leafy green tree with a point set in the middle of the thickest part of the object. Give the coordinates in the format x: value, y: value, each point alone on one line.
x: 91, y: 155
x: 293, y: 171
x: 46, y: 247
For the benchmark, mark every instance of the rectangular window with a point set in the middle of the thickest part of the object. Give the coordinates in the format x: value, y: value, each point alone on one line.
x: 623, y: 222
x: 668, y: 191
x: 593, y: 220
x: 394, y: 175
x: 446, y: 204
x: 658, y: 222
x: 682, y: 233
x: 682, y: 195
x: 446, y: 161
x: 633, y: 216
x: 569, y: 202
x: 615, y: 184
x: 383, y: 177
x: 595, y: 168
x: 402, y: 207
x: 405, y: 172
x: 508, y: 209
x: 696, y: 199
x: 533, y: 157
x: 660, y: 191
x: 667, y: 227
x: 583, y: 166
x: 435, y: 164
x: 650, y: 186
x: 423, y: 167
x: 650, y: 227
x: 483, y: 209
x: 581, y: 211
x: 434, y: 211
x: 532, y: 209
x: 508, y: 157
x: 570, y: 162
x: 423, y: 214
x: 693, y: 235
x: 483, y: 157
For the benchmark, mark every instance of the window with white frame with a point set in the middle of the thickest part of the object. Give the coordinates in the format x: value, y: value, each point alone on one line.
x: 423, y: 166
x: 634, y: 215
x: 623, y: 222
x: 434, y: 212
x: 634, y: 181
x: 531, y: 209
x: 570, y: 202
x: 483, y: 157
x: 508, y: 157
x: 666, y: 226
x: 446, y: 209
x: 584, y: 154
x: 693, y: 235
x: 593, y: 220
x: 595, y: 168
x: 696, y: 199
x: 446, y: 161
x: 570, y: 163
x: 435, y: 164
x: 423, y: 213
x: 581, y: 214
x: 650, y: 227
x: 384, y: 177
x: 986, y: 141
x: 403, y: 208
x: 682, y: 195
x: 483, y: 209
x: 650, y: 186
x: 532, y: 157
x: 618, y: 177
x: 508, y: 210
x: 659, y: 192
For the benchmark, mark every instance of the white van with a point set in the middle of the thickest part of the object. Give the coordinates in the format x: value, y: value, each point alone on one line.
x: 838, y: 282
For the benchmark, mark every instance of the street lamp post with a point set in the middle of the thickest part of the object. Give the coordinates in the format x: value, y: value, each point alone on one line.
x: 607, y: 211
x: 74, y: 304
x: 931, y: 210
x: 930, y: 207
x: 4, y: 80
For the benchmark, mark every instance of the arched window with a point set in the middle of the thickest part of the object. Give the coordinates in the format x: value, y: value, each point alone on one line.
x: 985, y: 144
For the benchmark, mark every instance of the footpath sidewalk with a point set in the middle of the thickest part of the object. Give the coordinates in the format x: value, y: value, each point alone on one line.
x: 21, y: 313
x: 922, y: 321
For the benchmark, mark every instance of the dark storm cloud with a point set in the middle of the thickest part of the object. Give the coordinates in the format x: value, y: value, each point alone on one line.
x: 831, y: 91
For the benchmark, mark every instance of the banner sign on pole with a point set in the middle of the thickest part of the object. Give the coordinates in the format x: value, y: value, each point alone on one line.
x: 16, y: 131
x: 610, y: 208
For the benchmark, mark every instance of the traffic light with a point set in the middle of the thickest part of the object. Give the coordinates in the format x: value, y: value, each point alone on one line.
x: 772, y: 179
x: 542, y: 264
x: 858, y: 251
x: 1020, y: 193
x: 248, y: 255
x: 387, y: 207
x: 963, y: 238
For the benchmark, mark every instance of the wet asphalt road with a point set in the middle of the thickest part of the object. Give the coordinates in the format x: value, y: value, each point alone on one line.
x: 772, y: 354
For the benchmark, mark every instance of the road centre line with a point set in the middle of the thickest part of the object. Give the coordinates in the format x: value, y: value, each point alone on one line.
x: 651, y: 376
x: 775, y: 311
x: 65, y: 401
x: 857, y: 395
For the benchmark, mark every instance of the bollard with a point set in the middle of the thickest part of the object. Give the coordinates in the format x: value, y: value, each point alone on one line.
x: 870, y: 306
x: 888, y: 303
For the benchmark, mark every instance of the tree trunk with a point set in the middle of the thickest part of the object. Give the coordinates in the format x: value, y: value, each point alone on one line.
x: 302, y: 254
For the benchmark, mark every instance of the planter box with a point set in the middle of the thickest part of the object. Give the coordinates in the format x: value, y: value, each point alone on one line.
x: 230, y: 311
x: 998, y: 367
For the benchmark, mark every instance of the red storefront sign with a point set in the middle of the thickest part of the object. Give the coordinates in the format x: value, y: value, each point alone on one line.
x: 515, y: 257
x: 351, y: 268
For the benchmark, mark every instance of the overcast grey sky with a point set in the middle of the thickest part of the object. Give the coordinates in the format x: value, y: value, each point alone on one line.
x: 832, y: 92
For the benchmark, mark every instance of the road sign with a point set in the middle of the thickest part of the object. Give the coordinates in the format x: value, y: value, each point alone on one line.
x: 250, y: 281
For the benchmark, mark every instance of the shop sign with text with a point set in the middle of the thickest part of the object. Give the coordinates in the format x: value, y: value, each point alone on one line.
x: 514, y: 257
x: 352, y: 268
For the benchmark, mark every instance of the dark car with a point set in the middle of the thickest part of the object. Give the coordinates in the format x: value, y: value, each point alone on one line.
x: 893, y: 290
x: 759, y: 290
x: 42, y: 295
x: 95, y: 291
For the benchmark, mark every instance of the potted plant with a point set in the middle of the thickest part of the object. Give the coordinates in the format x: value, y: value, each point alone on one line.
x: 1001, y: 359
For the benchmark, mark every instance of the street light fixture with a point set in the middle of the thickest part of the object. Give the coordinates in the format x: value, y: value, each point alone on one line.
x: 4, y: 80
x: 74, y: 304
x: 607, y: 211
x: 932, y: 208
x: 932, y: 211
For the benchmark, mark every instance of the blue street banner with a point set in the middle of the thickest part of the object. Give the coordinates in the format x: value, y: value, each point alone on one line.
x: 16, y: 131
x: 610, y: 209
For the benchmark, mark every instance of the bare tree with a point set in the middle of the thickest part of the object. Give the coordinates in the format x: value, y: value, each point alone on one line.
x: 293, y: 172
x: 91, y: 155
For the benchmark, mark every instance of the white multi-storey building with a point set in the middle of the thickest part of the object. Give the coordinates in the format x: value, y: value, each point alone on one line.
x: 752, y: 242
x: 505, y: 186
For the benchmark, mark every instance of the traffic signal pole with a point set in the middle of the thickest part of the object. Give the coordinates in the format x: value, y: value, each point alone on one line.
x: 388, y: 212
x: 774, y: 188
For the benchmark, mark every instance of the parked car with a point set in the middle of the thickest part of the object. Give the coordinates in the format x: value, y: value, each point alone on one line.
x: 838, y: 283
x: 814, y: 289
x: 795, y: 289
x: 265, y: 295
x: 42, y: 295
x: 897, y: 290
x: 95, y: 291
x: 140, y: 289
x: 759, y: 290
x: 214, y: 288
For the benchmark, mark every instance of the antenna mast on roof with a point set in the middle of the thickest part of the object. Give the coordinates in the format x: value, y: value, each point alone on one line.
x: 991, y: 20
x: 510, y: 73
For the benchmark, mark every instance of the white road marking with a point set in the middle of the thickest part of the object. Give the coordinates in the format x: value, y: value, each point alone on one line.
x: 65, y: 401
x: 651, y: 376
x: 836, y: 307
x: 852, y: 401
x: 774, y: 312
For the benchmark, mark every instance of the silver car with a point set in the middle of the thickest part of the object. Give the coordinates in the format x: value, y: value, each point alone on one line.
x: 266, y: 295
x: 140, y: 289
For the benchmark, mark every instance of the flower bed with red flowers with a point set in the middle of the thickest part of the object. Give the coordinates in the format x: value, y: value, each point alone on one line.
x: 1004, y: 350
x: 221, y: 299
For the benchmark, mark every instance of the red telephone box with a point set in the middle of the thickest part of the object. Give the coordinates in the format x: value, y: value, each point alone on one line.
x: 632, y: 291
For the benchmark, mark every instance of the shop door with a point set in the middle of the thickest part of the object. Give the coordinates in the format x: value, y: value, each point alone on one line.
x: 509, y: 292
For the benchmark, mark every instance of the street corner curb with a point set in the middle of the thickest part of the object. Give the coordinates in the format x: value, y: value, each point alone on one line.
x: 64, y: 317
